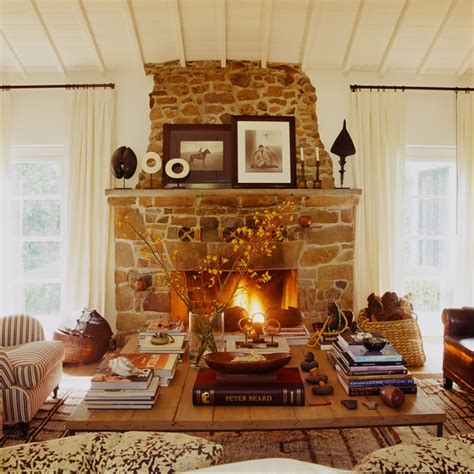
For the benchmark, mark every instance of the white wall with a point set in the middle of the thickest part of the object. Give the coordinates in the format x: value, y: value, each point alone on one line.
x: 39, y: 114
x: 430, y: 115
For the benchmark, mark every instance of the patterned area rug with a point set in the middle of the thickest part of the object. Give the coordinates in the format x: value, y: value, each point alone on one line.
x: 337, y: 448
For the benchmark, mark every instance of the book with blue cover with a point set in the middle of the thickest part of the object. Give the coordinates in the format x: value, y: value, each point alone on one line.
x: 361, y: 354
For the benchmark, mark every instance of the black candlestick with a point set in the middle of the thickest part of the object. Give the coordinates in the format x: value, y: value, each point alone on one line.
x: 317, y: 181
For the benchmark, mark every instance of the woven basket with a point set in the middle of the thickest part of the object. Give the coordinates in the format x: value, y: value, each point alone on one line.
x: 403, y: 334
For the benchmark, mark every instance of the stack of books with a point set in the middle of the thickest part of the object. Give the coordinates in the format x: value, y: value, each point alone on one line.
x: 295, y: 336
x: 177, y: 347
x: 174, y: 328
x: 282, y: 387
x: 162, y: 365
x: 113, y: 392
x: 363, y: 372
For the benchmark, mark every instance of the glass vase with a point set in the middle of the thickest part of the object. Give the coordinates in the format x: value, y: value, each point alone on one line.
x: 206, y: 334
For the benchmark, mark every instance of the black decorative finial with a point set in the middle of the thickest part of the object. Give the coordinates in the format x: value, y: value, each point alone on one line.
x: 343, y: 146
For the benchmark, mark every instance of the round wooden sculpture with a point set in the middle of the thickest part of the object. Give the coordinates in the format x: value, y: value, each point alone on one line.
x: 86, y: 339
x: 392, y: 396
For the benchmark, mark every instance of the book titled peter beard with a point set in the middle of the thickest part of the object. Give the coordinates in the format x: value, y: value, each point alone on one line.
x: 285, y: 389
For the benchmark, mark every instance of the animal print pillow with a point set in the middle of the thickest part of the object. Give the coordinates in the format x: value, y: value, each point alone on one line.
x: 452, y: 454
x: 157, y: 452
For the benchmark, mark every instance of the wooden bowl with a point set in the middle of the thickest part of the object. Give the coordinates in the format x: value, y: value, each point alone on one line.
x: 222, y: 362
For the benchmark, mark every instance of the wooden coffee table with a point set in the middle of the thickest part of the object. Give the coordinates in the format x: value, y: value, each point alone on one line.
x: 174, y: 410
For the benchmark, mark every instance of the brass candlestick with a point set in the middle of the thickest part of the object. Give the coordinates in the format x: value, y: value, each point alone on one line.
x: 317, y: 181
x: 303, y: 174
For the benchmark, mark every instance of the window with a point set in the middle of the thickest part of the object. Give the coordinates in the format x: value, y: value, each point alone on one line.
x: 36, y: 225
x: 430, y: 228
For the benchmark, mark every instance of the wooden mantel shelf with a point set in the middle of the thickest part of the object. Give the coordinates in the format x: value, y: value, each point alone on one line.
x: 118, y: 192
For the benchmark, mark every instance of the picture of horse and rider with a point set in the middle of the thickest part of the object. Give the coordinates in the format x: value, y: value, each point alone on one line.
x: 203, y: 155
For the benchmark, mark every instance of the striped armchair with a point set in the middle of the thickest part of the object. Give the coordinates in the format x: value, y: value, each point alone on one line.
x: 30, y: 367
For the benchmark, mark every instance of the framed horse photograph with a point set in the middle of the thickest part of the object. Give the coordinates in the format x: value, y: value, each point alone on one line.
x: 207, y: 151
x: 264, y: 151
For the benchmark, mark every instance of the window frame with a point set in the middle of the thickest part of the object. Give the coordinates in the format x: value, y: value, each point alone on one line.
x: 36, y: 154
x: 446, y: 155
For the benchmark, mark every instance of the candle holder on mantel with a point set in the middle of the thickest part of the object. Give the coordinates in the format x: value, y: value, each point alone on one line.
x: 303, y: 177
x: 317, y: 181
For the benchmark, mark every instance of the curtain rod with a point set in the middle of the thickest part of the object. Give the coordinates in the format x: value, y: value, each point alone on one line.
x: 59, y: 86
x: 355, y: 87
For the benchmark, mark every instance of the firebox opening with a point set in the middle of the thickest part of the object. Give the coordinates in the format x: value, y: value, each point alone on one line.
x: 278, y: 293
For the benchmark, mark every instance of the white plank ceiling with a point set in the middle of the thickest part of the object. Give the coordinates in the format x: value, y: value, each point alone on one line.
x: 407, y: 36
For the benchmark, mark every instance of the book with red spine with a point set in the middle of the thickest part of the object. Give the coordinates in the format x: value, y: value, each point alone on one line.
x: 286, y: 389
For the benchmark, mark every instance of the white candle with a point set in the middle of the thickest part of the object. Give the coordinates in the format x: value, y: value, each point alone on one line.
x: 302, y: 153
x: 317, y: 154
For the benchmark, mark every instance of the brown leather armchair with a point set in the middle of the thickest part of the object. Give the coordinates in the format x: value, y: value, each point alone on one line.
x: 458, y: 354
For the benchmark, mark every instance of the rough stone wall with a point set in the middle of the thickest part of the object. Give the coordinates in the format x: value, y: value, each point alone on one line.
x: 203, y: 92
x: 195, y: 223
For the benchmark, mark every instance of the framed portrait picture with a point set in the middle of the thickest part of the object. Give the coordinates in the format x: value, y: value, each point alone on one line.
x: 264, y: 151
x: 205, y: 148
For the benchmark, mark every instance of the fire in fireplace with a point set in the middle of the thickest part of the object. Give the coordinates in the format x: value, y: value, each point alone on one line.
x: 278, y: 293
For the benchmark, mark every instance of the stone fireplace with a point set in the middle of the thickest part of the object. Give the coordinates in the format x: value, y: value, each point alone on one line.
x: 195, y: 223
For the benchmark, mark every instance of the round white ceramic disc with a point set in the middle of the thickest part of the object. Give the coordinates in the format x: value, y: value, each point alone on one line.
x: 173, y: 174
x: 151, y: 155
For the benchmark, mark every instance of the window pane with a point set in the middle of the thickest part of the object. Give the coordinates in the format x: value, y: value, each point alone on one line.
x: 42, y: 259
x: 426, y: 253
x: 433, y: 216
x: 41, y: 218
x: 42, y: 298
x: 426, y: 294
x: 37, y: 178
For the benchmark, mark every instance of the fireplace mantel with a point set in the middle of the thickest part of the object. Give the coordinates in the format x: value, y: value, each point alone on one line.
x: 111, y: 194
x: 197, y: 222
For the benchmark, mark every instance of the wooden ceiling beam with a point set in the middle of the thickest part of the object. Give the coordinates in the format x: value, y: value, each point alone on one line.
x: 87, y: 28
x: 18, y: 64
x: 176, y: 19
x: 57, y: 57
x: 425, y: 61
x: 131, y: 24
x: 464, y: 66
x: 220, y: 6
x: 267, y: 9
x: 347, y: 64
x: 309, y: 33
x: 384, y: 64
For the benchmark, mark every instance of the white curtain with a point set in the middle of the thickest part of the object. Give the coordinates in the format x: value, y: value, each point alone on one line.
x: 377, y: 121
x: 90, y: 137
x: 464, y: 273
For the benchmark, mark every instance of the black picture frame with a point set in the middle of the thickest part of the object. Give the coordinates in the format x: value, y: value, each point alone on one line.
x: 264, y: 153
x: 209, y: 171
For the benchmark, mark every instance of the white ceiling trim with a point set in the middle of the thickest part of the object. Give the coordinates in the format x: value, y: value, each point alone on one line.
x: 464, y: 66
x: 86, y: 26
x: 176, y: 19
x: 221, y: 31
x: 57, y: 57
x: 18, y: 64
x: 267, y: 9
x: 309, y: 33
x: 346, y: 64
x: 384, y: 64
x: 424, y: 62
x: 129, y: 17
